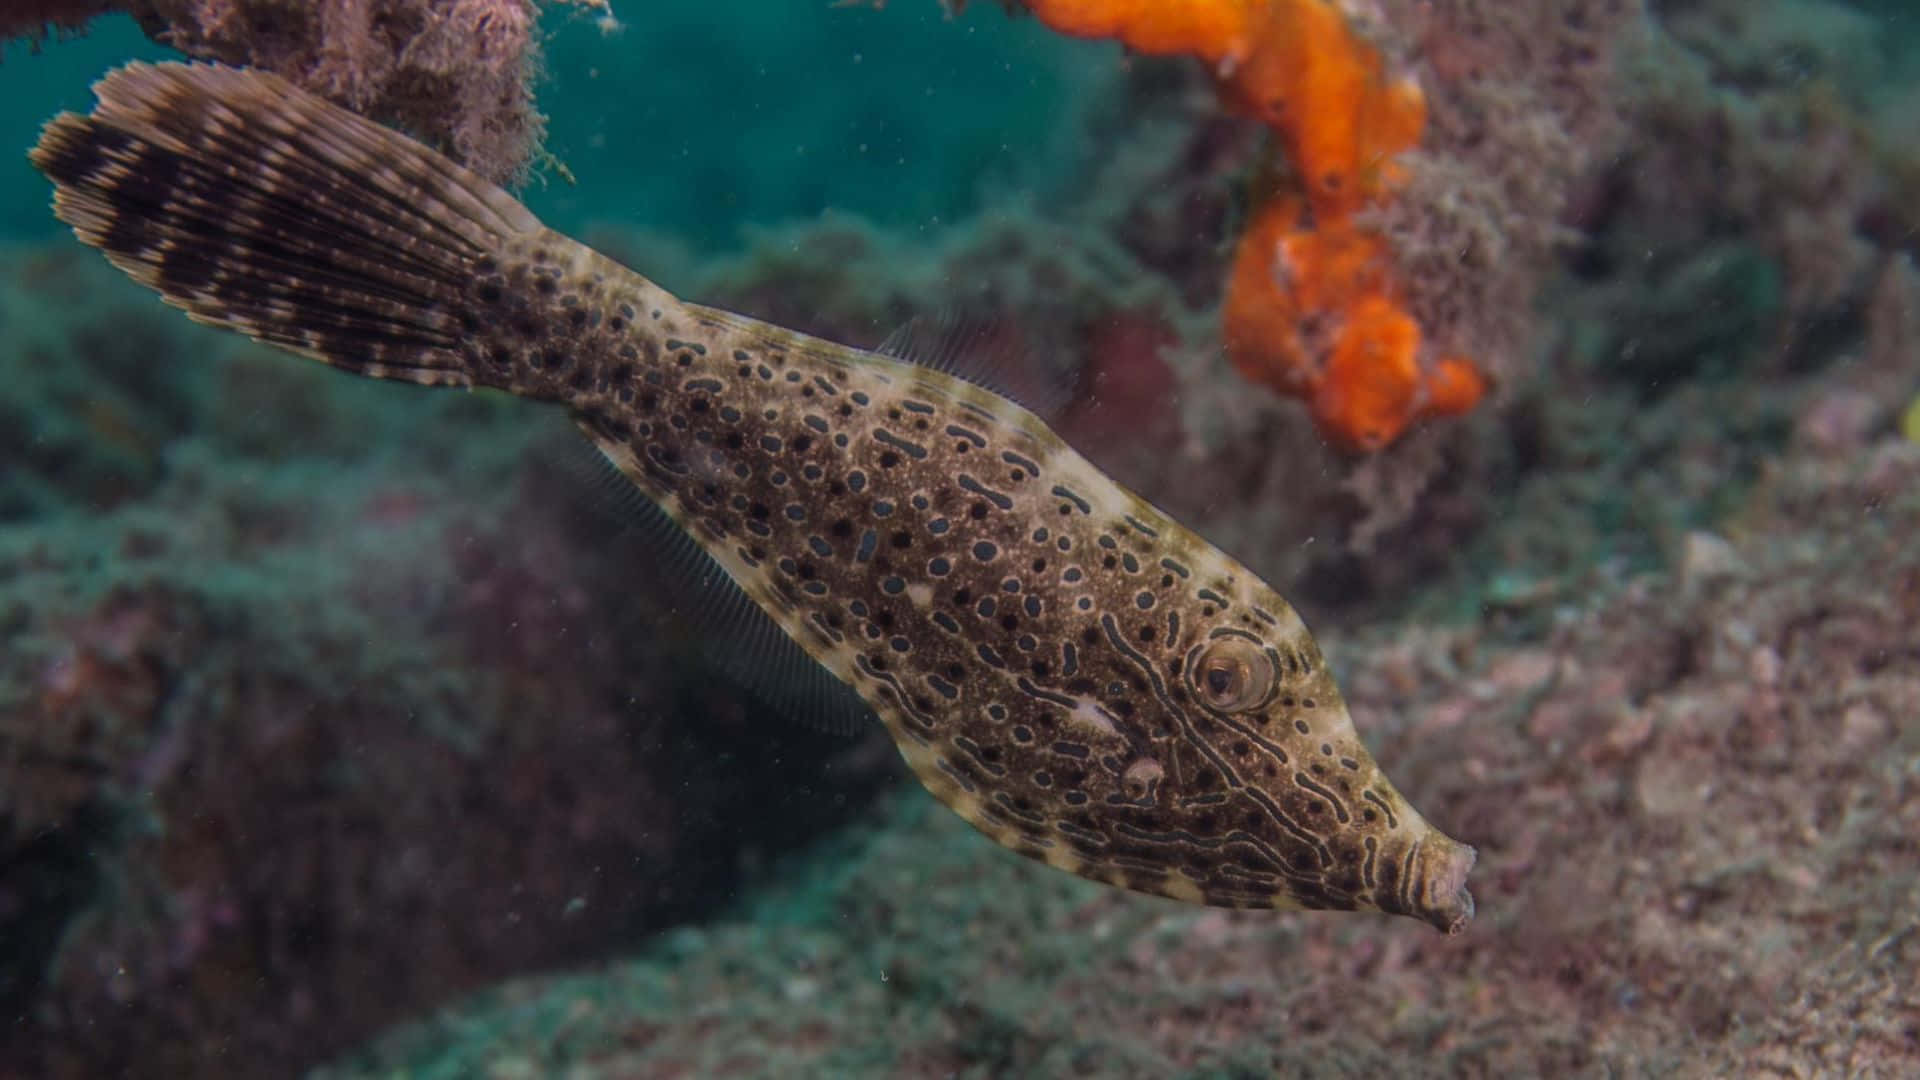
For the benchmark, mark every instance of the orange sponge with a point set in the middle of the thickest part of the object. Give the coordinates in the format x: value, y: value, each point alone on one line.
x: 1374, y: 386
x: 1325, y: 91
x: 1314, y: 314
x: 1220, y: 30
x: 1312, y: 308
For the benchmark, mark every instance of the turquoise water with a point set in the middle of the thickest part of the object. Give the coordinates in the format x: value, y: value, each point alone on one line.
x: 677, y: 123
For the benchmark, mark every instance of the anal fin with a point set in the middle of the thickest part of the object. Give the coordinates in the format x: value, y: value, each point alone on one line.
x: 732, y: 635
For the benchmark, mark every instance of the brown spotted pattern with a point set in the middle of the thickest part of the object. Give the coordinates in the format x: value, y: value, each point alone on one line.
x: 1083, y: 679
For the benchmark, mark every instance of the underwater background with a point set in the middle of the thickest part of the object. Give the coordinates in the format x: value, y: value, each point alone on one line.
x: 343, y: 726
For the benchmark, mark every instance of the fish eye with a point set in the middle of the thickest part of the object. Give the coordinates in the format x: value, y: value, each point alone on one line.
x: 1233, y: 674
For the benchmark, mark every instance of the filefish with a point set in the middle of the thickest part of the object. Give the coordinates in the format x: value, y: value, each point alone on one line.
x: 1074, y: 673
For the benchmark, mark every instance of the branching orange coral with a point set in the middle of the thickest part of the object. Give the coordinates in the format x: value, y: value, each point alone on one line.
x: 1312, y: 307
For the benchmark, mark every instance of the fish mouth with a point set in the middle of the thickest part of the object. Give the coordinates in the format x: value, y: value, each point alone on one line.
x: 1435, y: 890
x: 1439, y: 887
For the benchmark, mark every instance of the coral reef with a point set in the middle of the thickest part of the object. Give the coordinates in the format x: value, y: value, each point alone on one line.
x: 1522, y: 105
x: 89, y: 427
x: 1762, y: 133
x: 298, y: 676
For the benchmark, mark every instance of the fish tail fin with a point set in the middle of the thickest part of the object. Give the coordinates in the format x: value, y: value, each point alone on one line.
x: 255, y: 206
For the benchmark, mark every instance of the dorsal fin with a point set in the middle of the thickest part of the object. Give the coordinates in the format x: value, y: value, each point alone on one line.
x: 731, y: 632
x: 998, y: 353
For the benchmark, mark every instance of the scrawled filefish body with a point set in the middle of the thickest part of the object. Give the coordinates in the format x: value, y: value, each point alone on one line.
x: 1081, y: 678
